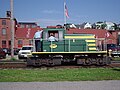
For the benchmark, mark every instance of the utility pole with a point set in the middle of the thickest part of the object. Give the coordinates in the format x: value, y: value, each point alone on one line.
x: 12, y: 29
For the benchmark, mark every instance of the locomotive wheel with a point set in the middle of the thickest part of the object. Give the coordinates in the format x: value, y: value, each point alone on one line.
x: 37, y: 62
x: 88, y: 61
x: 51, y: 62
x: 100, y: 61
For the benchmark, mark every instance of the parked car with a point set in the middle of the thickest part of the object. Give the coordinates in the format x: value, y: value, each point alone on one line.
x: 15, y: 51
x: 2, y: 53
x: 115, y: 49
x: 25, y: 51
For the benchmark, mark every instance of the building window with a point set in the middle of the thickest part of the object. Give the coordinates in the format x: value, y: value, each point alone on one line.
x: 20, y: 42
x: 34, y: 26
x: 22, y: 26
x: 9, y: 44
x: 30, y: 42
x: 3, y: 22
x: 28, y: 26
x: 3, y: 44
x: 3, y: 31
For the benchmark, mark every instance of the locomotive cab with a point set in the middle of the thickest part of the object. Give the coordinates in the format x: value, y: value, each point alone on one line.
x: 54, y: 45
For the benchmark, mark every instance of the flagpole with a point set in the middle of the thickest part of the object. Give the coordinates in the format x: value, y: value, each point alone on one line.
x: 64, y: 15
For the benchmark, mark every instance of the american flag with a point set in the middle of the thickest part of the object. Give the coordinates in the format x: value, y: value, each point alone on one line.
x: 66, y: 11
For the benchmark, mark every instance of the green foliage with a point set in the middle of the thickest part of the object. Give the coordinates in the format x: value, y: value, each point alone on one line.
x: 103, y: 26
x: 50, y: 75
x: 13, y: 59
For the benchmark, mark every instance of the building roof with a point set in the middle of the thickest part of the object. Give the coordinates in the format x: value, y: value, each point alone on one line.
x: 25, y: 33
x: 5, y: 18
x: 27, y: 23
x: 99, y: 33
x: 59, y: 26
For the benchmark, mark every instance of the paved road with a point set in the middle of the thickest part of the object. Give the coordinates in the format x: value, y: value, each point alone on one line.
x: 82, y: 85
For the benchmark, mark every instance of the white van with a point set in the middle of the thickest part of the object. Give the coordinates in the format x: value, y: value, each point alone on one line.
x: 25, y: 51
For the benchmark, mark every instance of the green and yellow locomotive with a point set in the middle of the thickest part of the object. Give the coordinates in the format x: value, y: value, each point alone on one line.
x: 64, y: 48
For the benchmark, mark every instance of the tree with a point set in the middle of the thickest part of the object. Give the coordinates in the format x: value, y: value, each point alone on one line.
x: 103, y: 26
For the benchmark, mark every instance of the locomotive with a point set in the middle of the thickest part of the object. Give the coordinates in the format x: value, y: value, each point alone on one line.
x: 80, y: 49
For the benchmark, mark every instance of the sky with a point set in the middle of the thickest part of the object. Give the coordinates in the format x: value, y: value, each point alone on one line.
x: 51, y: 12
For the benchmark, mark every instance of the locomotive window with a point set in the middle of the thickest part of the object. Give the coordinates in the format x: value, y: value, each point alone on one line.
x: 55, y: 33
x: 60, y: 35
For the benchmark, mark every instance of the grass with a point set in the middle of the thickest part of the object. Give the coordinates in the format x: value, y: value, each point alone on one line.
x: 51, y: 75
x: 116, y: 59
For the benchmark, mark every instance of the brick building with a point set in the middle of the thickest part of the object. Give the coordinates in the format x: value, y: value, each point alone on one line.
x: 23, y: 33
x: 5, y: 33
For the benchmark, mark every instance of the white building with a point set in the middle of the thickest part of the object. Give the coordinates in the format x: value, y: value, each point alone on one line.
x: 87, y: 25
x: 109, y: 26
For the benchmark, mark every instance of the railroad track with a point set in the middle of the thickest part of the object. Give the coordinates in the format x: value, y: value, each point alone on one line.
x: 13, y: 64
x: 21, y: 64
x: 118, y: 62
